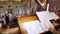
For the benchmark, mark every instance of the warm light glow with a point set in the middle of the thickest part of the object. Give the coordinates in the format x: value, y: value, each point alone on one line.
x: 11, y: 0
x: 18, y: 0
x: 2, y: 0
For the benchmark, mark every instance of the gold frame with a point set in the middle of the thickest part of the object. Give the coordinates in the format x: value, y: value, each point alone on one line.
x: 44, y: 4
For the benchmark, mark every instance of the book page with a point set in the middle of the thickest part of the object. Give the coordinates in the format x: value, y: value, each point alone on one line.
x: 44, y: 17
x: 54, y: 15
x: 33, y: 27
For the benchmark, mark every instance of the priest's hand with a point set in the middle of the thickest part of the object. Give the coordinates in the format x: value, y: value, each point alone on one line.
x: 51, y: 29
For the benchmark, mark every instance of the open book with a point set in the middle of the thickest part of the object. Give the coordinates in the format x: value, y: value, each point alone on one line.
x: 33, y: 27
x: 45, y: 18
x: 41, y: 25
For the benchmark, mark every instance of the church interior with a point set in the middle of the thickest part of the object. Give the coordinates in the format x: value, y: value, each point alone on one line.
x: 29, y: 16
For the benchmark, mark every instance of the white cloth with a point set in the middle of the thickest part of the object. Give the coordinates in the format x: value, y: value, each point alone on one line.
x: 10, y: 17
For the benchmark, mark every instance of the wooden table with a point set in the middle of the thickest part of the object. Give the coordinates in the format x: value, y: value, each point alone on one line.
x: 11, y: 31
x: 25, y: 19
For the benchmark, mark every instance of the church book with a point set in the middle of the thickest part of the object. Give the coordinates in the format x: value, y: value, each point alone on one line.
x: 45, y: 18
x: 33, y: 27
